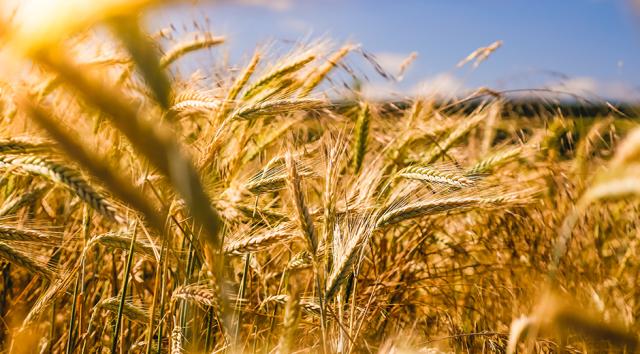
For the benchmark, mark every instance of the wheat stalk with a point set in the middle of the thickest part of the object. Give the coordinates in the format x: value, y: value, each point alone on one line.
x: 290, y: 322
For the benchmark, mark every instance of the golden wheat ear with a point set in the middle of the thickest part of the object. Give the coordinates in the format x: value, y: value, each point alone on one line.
x: 303, y: 217
x: 318, y: 74
x: 278, y: 73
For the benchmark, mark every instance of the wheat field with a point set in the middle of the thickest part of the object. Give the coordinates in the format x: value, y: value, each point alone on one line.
x: 263, y: 208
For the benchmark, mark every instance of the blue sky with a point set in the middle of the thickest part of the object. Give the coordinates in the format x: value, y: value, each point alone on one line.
x: 585, y: 46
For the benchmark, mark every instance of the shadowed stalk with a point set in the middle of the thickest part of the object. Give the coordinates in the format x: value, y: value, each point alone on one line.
x: 145, y: 55
x: 158, y: 145
x: 71, y: 334
x: 125, y: 282
x: 156, y: 291
x: 239, y: 297
x: 306, y: 225
x: 97, y: 167
x: 291, y: 319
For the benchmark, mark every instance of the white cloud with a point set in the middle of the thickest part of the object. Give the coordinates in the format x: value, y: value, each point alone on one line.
x: 448, y: 86
x: 390, y: 61
x: 276, y: 5
x: 620, y: 91
x: 396, y: 64
x: 588, y: 87
x: 379, y: 90
x: 581, y: 86
x: 443, y: 85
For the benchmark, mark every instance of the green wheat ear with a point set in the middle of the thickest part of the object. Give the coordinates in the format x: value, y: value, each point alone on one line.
x: 361, y: 134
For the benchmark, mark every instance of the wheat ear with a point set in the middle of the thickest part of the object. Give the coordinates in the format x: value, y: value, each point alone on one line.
x: 202, y: 295
x: 494, y: 161
x: 428, y: 174
x: 320, y: 73
x: 186, y: 47
x: 418, y: 209
x: 311, y: 308
x: 121, y: 241
x: 305, y: 222
x: 130, y: 311
x: 23, y: 145
x: 277, y: 74
x: 257, y: 243
x: 23, y: 260
x: 8, y: 234
x: 273, y: 107
x: 458, y: 133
